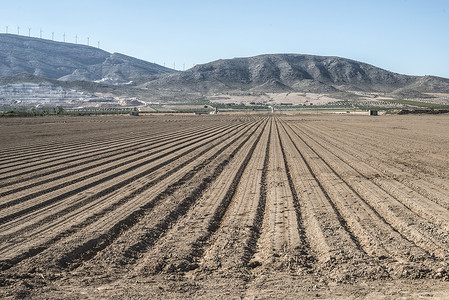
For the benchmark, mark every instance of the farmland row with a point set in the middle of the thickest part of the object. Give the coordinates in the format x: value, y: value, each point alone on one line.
x: 388, y: 178
x: 377, y: 154
x: 369, y: 211
x: 51, y: 162
x: 424, y: 153
x: 264, y: 193
x: 64, y: 213
x: 67, y: 144
x: 99, y: 167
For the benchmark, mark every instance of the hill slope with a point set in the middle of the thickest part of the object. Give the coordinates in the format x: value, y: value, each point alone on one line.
x: 294, y: 72
x: 270, y: 73
x: 66, y: 61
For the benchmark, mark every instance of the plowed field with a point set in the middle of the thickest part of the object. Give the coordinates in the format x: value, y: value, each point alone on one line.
x: 225, y: 206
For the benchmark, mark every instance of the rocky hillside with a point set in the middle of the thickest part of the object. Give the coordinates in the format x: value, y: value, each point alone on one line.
x: 96, y: 70
x: 66, y: 61
x: 294, y: 72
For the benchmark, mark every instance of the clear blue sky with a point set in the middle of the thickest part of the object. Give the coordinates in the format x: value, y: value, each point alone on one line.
x: 404, y: 36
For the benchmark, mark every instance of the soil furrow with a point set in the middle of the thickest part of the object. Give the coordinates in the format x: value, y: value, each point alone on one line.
x: 20, y: 154
x: 284, y: 204
x: 326, y: 229
x: 130, y: 153
x: 322, y: 176
x: 111, y: 209
x: 303, y: 255
x: 384, y: 168
x: 419, y: 204
x: 235, y: 241
x: 64, y: 164
x: 414, y: 228
x: 159, y: 166
x: 89, y: 249
x: 280, y: 243
x: 195, y: 229
x: 380, y: 156
x: 158, y: 221
x: 77, y: 185
x: 46, y: 153
x: 370, y: 228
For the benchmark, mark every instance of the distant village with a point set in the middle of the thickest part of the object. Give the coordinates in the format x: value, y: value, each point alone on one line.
x: 50, y: 95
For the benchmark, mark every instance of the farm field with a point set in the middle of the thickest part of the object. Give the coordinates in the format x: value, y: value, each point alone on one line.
x: 298, y: 206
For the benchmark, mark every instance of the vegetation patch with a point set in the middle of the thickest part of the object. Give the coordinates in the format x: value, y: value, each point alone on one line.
x: 419, y: 104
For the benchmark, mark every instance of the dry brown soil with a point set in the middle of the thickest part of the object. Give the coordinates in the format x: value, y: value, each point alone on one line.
x: 225, y: 206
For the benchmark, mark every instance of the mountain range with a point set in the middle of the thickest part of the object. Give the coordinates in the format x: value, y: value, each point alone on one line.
x: 296, y: 73
x: 70, y: 62
x: 97, y: 69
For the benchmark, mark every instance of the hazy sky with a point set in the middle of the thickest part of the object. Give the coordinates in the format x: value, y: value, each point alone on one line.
x: 404, y: 36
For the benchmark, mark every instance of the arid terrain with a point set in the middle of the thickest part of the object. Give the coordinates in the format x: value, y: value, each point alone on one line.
x: 252, y: 206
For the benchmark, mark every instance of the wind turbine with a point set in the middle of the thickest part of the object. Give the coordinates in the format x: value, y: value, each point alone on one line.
x: 7, y: 28
x: 29, y: 32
